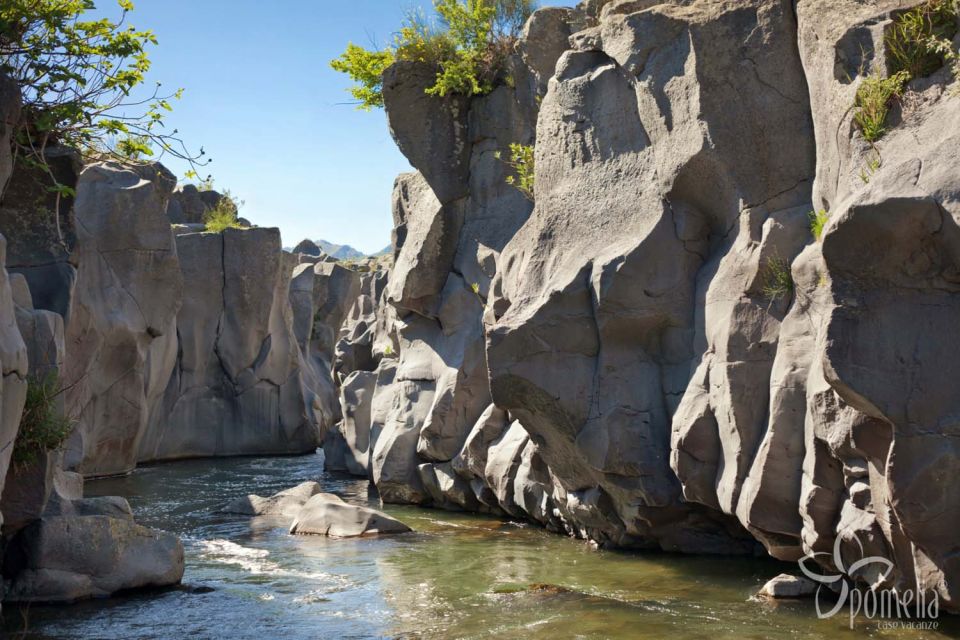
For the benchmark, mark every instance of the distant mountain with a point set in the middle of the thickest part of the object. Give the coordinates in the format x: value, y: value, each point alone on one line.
x: 340, y: 251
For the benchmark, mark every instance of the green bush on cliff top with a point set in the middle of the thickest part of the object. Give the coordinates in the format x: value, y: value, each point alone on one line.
x: 225, y: 215
x: 468, y: 42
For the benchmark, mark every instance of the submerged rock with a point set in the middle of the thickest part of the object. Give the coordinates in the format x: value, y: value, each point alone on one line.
x: 788, y: 586
x: 327, y: 515
x: 288, y: 502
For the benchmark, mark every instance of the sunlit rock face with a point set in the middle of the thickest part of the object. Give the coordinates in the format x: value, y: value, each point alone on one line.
x: 879, y: 429
x: 659, y: 353
x: 657, y: 207
x: 236, y: 386
x: 194, y: 344
x: 121, y: 334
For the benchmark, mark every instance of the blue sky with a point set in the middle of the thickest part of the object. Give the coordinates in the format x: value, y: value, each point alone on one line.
x: 261, y: 99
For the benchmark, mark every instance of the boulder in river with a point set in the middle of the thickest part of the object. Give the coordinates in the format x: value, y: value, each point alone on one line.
x: 285, y: 503
x: 327, y: 515
x: 69, y: 558
x: 788, y: 586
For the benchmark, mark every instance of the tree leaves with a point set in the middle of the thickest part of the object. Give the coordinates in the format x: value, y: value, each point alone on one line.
x: 78, y: 77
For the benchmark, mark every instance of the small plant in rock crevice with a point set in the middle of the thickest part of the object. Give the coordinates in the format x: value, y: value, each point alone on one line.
x: 919, y: 40
x: 875, y: 96
x: 43, y: 426
x: 522, y: 162
x: 818, y: 220
x: 917, y: 43
x: 872, y: 166
x: 777, y: 279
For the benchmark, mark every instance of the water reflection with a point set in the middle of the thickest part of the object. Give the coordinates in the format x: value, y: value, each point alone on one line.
x: 458, y: 575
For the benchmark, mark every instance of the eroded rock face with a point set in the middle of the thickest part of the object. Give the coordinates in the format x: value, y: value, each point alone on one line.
x: 236, y: 387
x: 618, y: 279
x: 13, y: 359
x: 672, y: 360
x: 122, y: 330
x: 13, y: 351
x: 879, y: 437
x: 29, y: 487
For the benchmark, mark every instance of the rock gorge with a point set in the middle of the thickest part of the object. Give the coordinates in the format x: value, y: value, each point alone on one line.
x: 608, y: 361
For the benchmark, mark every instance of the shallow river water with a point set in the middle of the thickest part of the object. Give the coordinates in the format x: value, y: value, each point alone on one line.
x: 458, y: 576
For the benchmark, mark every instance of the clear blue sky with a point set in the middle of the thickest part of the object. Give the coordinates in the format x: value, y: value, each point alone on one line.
x: 261, y: 98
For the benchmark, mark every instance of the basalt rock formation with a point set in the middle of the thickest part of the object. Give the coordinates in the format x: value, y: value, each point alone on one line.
x: 13, y: 351
x: 57, y: 545
x: 121, y: 332
x: 659, y: 353
x: 178, y: 346
x: 189, y: 205
x: 235, y: 388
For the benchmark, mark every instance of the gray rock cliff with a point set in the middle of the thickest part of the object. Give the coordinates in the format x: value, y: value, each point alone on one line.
x: 659, y: 354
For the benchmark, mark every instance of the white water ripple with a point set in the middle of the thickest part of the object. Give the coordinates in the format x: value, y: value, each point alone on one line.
x: 257, y: 562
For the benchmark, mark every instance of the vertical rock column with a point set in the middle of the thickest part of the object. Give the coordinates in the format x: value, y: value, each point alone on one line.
x: 121, y: 335
x: 13, y: 352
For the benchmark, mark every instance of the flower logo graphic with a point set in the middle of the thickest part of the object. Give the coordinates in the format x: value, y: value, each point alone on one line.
x: 827, y: 580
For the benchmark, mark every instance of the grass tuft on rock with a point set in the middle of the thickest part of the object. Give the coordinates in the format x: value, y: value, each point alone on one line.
x: 818, y: 220
x: 875, y: 96
x: 777, y: 279
x: 43, y: 426
x: 919, y: 40
x: 224, y: 215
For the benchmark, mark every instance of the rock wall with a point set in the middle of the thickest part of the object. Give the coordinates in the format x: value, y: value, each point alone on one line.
x: 184, y: 344
x: 121, y: 335
x: 659, y: 354
x: 56, y: 546
x: 13, y: 351
x: 235, y: 388
x: 880, y: 437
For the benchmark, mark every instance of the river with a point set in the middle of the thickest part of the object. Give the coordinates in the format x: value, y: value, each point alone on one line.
x: 457, y: 576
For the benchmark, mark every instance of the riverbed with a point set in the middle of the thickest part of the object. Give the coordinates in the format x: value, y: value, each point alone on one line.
x: 457, y: 576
